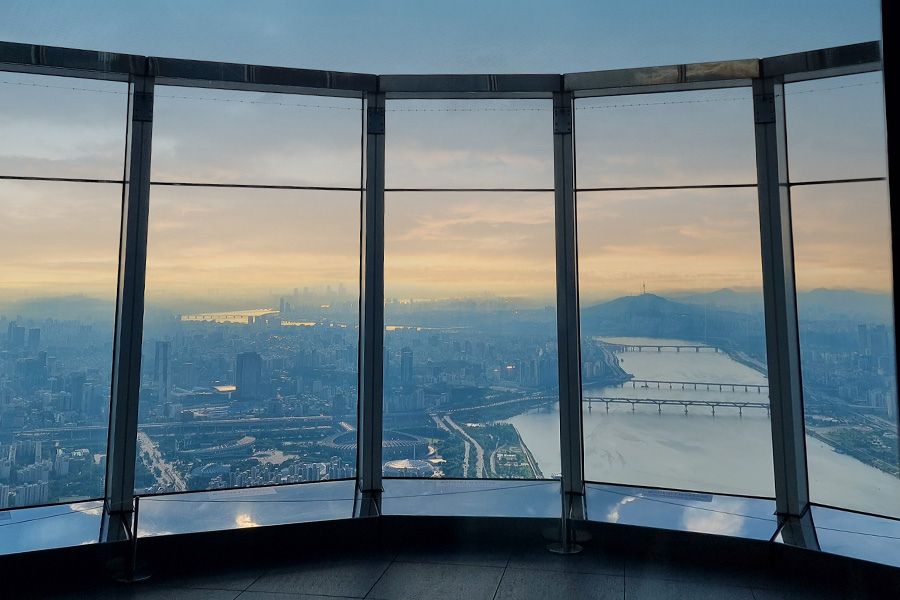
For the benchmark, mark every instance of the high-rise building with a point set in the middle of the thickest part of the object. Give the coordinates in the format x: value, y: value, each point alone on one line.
x: 15, y: 336
x: 161, y: 371
x: 76, y: 389
x: 406, y: 366
x: 34, y: 339
x: 248, y: 375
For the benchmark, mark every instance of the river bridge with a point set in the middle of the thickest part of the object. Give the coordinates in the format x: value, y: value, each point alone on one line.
x: 660, y: 402
x: 697, y: 385
x: 661, y: 347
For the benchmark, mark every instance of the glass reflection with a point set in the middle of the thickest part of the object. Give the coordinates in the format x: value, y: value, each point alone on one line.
x: 47, y: 527
x: 683, y: 511
x: 235, y: 509
x: 448, y: 497
x: 860, y: 536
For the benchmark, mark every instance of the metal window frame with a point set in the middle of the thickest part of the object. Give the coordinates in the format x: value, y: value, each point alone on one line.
x: 766, y: 75
x: 129, y: 323
x: 780, y: 306
x: 568, y: 317
x: 371, y: 318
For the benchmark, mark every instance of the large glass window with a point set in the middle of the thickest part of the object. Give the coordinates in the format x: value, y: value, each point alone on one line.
x: 842, y: 252
x: 842, y: 246
x: 673, y: 342
x: 59, y: 250
x: 249, y: 369
x: 640, y: 140
x: 470, y: 365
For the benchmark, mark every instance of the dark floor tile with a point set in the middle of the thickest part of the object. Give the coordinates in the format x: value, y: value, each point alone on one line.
x: 285, y: 596
x: 461, y: 555
x: 412, y: 581
x: 588, y: 560
x: 143, y: 591
x: 696, y: 572
x: 236, y: 579
x: 350, y: 577
x: 520, y: 584
x: 821, y: 593
x: 671, y: 589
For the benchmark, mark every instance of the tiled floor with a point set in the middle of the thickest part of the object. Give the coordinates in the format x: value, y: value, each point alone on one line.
x: 479, y: 572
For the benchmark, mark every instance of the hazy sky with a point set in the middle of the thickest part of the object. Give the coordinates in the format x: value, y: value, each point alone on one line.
x: 62, y: 238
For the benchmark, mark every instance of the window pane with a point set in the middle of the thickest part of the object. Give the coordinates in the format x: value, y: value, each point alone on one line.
x: 682, y: 511
x: 235, y: 509
x: 640, y: 140
x: 836, y: 128
x: 49, y: 527
x: 249, y: 368
x: 62, y: 127
x: 471, y: 498
x: 218, y: 136
x: 842, y: 249
x: 59, y: 244
x: 469, y: 144
x: 673, y: 342
x: 470, y: 365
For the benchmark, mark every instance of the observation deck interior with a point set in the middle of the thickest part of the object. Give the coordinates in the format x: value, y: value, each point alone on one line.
x: 462, y: 387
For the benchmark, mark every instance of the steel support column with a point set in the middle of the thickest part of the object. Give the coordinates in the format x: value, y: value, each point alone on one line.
x: 371, y: 318
x: 126, y: 367
x: 567, y: 315
x: 779, y: 294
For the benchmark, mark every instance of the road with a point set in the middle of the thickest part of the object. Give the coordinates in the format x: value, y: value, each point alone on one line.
x: 167, y: 476
x: 479, y: 451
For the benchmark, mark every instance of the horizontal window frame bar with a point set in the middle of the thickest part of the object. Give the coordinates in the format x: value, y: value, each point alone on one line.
x: 652, y: 188
x: 835, y: 181
x: 255, y: 186
x: 92, y: 64
x: 60, y: 179
x: 510, y: 479
x: 469, y: 190
x: 825, y: 62
x: 634, y: 90
x: 854, y: 511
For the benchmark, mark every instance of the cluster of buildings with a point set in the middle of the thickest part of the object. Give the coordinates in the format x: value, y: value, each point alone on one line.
x: 426, y: 370
x: 221, y: 476
x: 861, y: 375
x: 54, y: 410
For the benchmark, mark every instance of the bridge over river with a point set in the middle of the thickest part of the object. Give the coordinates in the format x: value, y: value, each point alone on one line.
x: 713, y: 386
x: 684, y: 404
x: 660, y: 347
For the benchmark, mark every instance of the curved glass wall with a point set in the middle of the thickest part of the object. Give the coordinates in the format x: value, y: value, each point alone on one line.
x: 251, y: 338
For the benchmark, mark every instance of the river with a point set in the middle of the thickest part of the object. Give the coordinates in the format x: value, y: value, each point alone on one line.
x: 725, y: 453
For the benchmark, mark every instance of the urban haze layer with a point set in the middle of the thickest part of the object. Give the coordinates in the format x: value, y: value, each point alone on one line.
x: 263, y: 396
